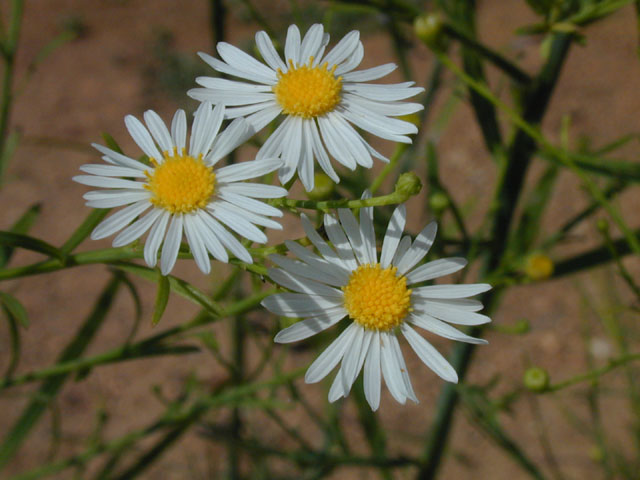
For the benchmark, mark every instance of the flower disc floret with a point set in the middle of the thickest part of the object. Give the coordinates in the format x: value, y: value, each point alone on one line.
x: 308, y: 91
x: 181, y: 183
x: 377, y: 298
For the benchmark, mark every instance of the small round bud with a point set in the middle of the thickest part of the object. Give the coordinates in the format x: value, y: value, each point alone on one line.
x: 438, y: 202
x: 408, y: 184
x: 538, y: 266
x: 536, y: 379
x: 602, y: 225
x: 429, y: 28
x: 522, y: 326
x: 323, y: 187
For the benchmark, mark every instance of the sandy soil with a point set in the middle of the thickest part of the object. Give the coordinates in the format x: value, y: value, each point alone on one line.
x: 87, y: 86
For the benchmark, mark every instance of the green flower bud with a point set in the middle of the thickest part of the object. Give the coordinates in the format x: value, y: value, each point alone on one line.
x: 602, y: 225
x: 323, y: 187
x: 536, y: 379
x: 429, y: 29
x: 438, y: 202
x: 522, y: 326
x: 408, y: 184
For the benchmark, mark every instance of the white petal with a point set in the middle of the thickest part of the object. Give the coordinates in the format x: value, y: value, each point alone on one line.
x: 250, y: 74
x: 340, y: 242
x: 352, y: 229
x: 403, y: 247
x: 226, y: 238
x: 419, y: 248
x: 311, y: 42
x: 137, y: 229
x: 468, y: 304
x: 351, y: 139
x: 390, y: 369
x: 319, y: 151
x: 451, y: 291
x: 368, y: 232
x: 325, y: 250
x: 171, y: 245
x: 429, y: 355
x: 302, y: 305
x: 119, y: 220
x: 375, y: 123
x: 307, y: 328
x: 403, y: 369
x: 372, y: 375
x: 236, y: 223
x: 387, y: 109
x: 243, y: 62
x: 245, y: 170
x: 318, y: 264
x: 159, y: 130
x: 112, y: 171
x: 249, y: 215
x: 384, y: 92
x: 261, y: 119
x: 292, y: 45
x: 331, y: 356
x: 369, y: 74
x: 443, y: 329
x: 236, y: 133
x: 451, y: 314
x: 179, y: 130
x: 142, y: 137
x: 154, y: 240
x: 205, y: 128
x: 334, y: 142
x: 352, y: 62
x: 343, y: 49
x: 256, y: 190
x: 305, y: 163
x: 301, y: 284
x: 209, y: 238
x: 349, y: 372
x: 108, y: 182
x: 120, y: 159
x: 435, y: 269
x: 303, y: 270
x: 248, y: 203
x: 196, y: 243
x: 268, y: 52
x: 114, y: 198
x: 291, y: 150
x: 393, y: 235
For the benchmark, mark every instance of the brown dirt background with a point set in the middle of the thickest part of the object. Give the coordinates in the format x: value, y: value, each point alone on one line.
x: 87, y: 86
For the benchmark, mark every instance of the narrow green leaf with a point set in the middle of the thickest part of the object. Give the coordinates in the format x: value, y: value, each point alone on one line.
x: 10, y: 145
x: 19, y: 240
x: 161, y: 299
x: 179, y: 286
x: 15, y: 308
x: 83, y: 231
x: 22, y: 225
x: 620, y: 169
x: 16, y: 343
x: 111, y: 143
x: 529, y: 226
x: 50, y: 387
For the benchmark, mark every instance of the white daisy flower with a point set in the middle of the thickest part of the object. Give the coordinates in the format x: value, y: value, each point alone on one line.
x: 182, y: 192
x: 349, y: 280
x: 321, y: 96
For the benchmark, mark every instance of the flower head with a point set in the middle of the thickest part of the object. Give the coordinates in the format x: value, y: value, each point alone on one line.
x: 380, y: 297
x: 321, y: 97
x: 181, y: 191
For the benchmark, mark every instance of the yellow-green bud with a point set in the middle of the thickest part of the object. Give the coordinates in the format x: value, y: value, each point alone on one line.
x: 602, y: 225
x: 438, y: 202
x: 408, y: 184
x: 323, y: 187
x: 538, y: 266
x: 522, y: 326
x: 429, y: 28
x: 596, y: 454
x: 536, y: 379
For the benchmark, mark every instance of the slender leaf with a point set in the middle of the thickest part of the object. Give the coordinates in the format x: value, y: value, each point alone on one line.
x: 24, y: 223
x: 15, y: 308
x: 19, y: 240
x: 16, y: 343
x: 83, y: 231
x: 161, y: 298
x: 111, y: 143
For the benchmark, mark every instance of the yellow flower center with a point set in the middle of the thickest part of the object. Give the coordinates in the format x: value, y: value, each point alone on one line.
x: 181, y: 183
x: 377, y: 298
x: 308, y: 91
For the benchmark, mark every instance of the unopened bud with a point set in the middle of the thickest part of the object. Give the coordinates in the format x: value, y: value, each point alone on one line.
x: 438, y: 202
x: 538, y: 266
x: 408, y: 184
x: 429, y: 28
x: 323, y: 187
x: 536, y: 379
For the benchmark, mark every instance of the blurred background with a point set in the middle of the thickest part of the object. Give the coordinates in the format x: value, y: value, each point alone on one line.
x: 81, y: 66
